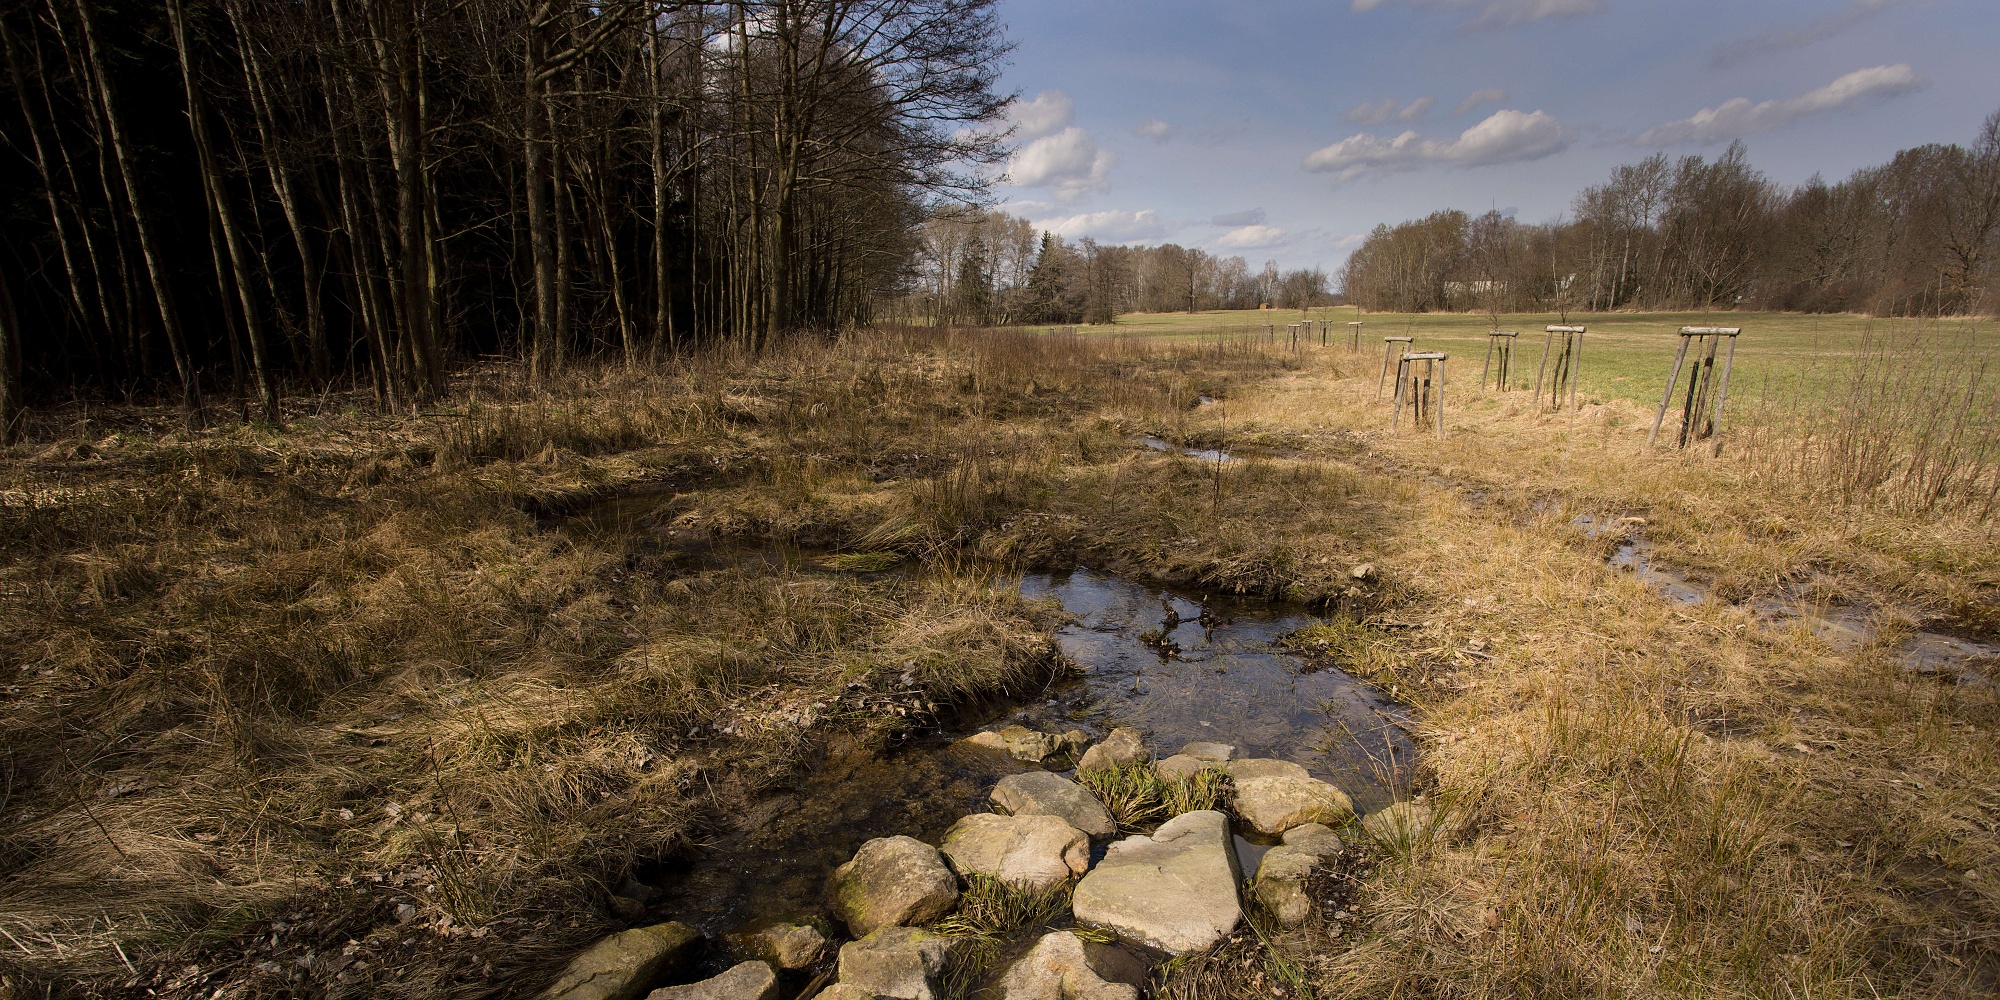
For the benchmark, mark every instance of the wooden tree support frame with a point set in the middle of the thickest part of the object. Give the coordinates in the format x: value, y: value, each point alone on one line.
x: 1354, y: 338
x: 1568, y: 358
x: 1701, y: 413
x: 1499, y: 346
x: 1422, y: 393
x: 1390, y: 353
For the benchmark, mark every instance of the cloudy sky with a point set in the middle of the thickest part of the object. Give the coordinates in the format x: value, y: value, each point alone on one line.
x: 1288, y: 128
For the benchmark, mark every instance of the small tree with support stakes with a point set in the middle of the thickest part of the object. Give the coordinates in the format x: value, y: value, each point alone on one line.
x: 1354, y: 337
x: 1701, y: 415
x: 1499, y: 345
x: 1567, y: 360
x: 1423, y: 394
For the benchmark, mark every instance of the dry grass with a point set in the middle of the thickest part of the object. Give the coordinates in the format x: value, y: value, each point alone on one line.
x: 1651, y: 798
x: 218, y: 644
x: 271, y: 694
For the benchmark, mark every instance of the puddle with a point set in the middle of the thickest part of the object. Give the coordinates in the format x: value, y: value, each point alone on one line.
x: 1179, y: 666
x: 1206, y: 455
x: 1925, y: 652
x: 1634, y: 557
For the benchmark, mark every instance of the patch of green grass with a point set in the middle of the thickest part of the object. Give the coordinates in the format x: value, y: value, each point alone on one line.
x: 1134, y: 793
x: 1626, y: 355
x: 1138, y: 796
x: 990, y: 907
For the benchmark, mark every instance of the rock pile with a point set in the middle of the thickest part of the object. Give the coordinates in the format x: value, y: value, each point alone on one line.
x: 1173, y: 891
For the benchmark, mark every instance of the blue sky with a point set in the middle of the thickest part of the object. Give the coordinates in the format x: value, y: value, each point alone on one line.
x: 1287, y: 129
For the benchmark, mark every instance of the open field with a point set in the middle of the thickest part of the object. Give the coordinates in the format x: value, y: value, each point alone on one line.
x: 1629, y: 354
x: 360, y: 709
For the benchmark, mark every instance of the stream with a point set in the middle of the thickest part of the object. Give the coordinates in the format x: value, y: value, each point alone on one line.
x: 1177, y: 665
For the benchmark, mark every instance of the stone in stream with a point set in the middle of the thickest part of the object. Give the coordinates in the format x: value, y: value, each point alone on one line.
x: 787, y: 946
x: 893, y: 881
x: 1042, y: 793
x: 1258, y: 767
x: 1273, y: 800
x: 1281, y: 879
x: 1062, y: 966
x: 1399, y: 824
x: 1036, y: 851
x: 748, y: 981
x: 1122, y: 748
x: 1181, y: 767
x: 900, y: 962
x: 1174, y: 891
x: 624, y: 965
x: 1209, y: 751
x: 1024, y: 744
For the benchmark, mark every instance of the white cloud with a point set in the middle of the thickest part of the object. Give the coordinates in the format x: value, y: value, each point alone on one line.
x: 1116, y: 226
x: 1251, y: 237
x: 1738, y: 117
x: 1501, y: 13
x: 1069, y: 163
x: 1375, y: 112
x: 1504, y: 137
x: 1154, y: 129
x: 1481, y: 98
x: 1818, y: 29
x: 1417, y: 109
x: 1050, y: 112
x: 1253, y: 217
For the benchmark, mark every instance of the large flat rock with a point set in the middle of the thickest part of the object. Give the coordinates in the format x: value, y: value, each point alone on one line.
x: 1175, y: 890
x: 892, y: 882
x: 900, y: 962
x: 625, y: 965
x: 1040, y: 793
x: 748, y: 981
x: 1034, y: 851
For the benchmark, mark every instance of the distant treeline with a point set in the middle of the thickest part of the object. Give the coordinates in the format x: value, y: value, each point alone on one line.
x: 1919, y: 235
x: 246, y: 195
x: 977, y: 267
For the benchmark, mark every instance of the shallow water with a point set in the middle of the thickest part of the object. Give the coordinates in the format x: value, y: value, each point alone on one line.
x: 1925, y: 652
x: 1214, y: 674
x: 1179, y: 666
x: 1204, y: 454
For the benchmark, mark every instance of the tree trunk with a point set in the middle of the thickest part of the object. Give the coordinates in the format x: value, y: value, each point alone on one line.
x: 12, y: 407
x: 212, y: 180
x: 149, y: 247
x: 545, y: 354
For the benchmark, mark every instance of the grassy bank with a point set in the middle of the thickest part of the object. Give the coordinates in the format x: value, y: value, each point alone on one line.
x: 425, y: 684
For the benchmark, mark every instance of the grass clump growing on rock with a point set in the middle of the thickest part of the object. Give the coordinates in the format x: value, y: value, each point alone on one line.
x: 989, y: 912
x: 1139, y: 796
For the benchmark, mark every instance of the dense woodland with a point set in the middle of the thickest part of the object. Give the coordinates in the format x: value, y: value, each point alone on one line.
x: 250, y: 197
x: 1919, y: 235
x: 982, y: 267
